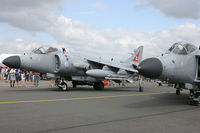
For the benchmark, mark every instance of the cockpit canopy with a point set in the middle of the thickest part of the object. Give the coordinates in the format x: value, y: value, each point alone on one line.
x: 44, y: 50
x: 182, y: 48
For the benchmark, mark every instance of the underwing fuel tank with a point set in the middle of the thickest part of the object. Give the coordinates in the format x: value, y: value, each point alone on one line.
x: 98, y: 73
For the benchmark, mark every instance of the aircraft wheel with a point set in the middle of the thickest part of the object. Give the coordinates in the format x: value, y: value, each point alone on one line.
x: 194, y: 103
x: 194, y: 98
x: 98, y: 86
x: 63, y: 86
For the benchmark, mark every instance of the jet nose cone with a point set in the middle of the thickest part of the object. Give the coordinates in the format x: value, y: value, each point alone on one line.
x: 151, y: 68
x: 12, y: 61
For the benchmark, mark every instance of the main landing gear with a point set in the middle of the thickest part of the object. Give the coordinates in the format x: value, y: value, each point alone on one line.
x: 98, y: 86
x: 141, y: 86
x: 141, y: 89
x: 194, y: 98
x: 62, y: 85
x: 74, y: 84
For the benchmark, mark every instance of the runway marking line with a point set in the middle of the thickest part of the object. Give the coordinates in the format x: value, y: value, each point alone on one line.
x: 81, y: 98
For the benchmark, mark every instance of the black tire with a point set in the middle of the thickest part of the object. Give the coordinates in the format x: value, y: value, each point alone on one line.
x: 192, y: 97
x: 98, y: 86
x: 192, y: 102
x: 63, y: 86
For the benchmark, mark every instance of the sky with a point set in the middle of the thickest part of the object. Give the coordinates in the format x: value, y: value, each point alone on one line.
x: 105, y: 28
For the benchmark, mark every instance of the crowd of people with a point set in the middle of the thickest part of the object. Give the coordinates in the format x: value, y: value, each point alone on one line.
x: 19, y: 77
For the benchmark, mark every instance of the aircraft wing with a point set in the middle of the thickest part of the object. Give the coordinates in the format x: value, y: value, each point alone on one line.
x: 126, y: 66
x: 100, y: 63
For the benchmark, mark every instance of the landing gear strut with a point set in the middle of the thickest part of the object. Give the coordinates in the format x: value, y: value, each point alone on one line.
x: 74, y: 84
x: 62, y: 85
x: 141, y: 87
x: 98, y: 86
x: 194, y: 98
x: 178, y: 91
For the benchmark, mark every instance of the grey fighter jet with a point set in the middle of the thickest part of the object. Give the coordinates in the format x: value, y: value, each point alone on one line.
x: 62, y: 66
x: 179, y: 65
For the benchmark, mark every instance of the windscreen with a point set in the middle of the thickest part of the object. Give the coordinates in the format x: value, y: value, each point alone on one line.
x: 44, y: 50
x: 173, y: 47
x: 190, y: 48
x: 182, y: 48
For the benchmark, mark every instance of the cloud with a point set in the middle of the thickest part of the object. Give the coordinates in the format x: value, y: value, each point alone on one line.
x: 32, y: 16
x: 19, y: 40
x: 174, y: 8
x: 87, y: 12
x: 83, y: 38
x: 99, y: 5
x: 109, y: 43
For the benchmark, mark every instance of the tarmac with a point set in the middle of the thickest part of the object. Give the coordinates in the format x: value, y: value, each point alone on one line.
x: 117, y: 109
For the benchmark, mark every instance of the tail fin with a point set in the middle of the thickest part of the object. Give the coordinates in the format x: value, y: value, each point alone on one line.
x: 136, y: 57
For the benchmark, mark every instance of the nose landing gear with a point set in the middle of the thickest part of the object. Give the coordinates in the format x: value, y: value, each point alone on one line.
x: 62, y: 85
x: 194, y: 98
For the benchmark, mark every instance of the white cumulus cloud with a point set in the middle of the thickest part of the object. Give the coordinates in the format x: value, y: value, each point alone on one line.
x: 100, y: 6
x: 174, y: 8
x: 39, y: 16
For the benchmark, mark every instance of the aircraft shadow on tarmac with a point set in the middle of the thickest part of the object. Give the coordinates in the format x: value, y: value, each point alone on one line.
x: 19, y: 90
x: 83, y: 89
x: 160, y: 100
x: 107, y: 89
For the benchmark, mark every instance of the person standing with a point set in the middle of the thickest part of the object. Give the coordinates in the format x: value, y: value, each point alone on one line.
x: 23, y: 79
x: 8, y: 72
x: 31, y: 76
x: 2, y: 73
x: 36, y: 79
x: 12, y: 78
x: 17, y: 75
x: 26, y: 75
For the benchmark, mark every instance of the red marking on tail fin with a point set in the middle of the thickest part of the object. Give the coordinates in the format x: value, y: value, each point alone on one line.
x: 64, y: 50
x: 136, y: 57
